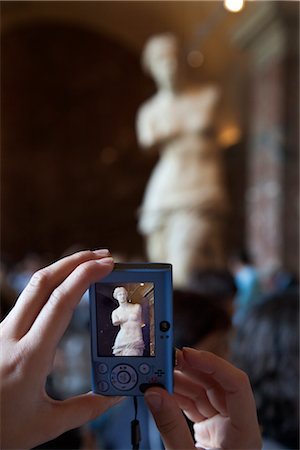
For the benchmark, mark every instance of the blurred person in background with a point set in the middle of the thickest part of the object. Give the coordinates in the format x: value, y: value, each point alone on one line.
x: 282, y: 280
x: 266, y: 347
x: 215, y: 285
x: 200, y: 323
x: 248, y: 284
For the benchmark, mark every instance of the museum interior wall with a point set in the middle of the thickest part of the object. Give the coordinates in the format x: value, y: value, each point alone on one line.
x: 72, y: 171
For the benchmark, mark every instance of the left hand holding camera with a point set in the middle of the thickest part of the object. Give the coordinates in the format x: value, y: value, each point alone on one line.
x: 30, y: 334
x: 216, y: 396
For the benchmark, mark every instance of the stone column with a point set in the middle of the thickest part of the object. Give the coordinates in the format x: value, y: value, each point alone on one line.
x: 265, y: 36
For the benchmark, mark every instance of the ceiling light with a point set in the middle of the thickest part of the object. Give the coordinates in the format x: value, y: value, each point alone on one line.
x: 234, y: 5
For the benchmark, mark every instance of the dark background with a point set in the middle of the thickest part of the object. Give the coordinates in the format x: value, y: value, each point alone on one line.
x: 72, y: 174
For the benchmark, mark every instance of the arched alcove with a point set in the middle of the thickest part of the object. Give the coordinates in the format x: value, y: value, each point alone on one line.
x: 71, y: 168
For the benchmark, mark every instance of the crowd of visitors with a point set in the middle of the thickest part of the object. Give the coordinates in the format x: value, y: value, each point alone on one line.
x: 230, y: 313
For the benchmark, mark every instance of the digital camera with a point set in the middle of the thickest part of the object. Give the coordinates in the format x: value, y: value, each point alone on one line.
x: 132, y: 329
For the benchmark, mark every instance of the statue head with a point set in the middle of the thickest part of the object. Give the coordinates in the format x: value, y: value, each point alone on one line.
x: 120, y: 294
x: 160, y: 59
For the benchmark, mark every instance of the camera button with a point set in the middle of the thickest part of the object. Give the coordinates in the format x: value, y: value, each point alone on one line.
x: 145, y: 386
x: 144, y: 369
x: 103, y: 386
x: 102, y: 368
x: 164, y: 326
x: 123, y: 377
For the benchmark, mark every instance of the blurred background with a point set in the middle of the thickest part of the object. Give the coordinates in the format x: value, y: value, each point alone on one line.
x: 73, y: 175
x: 72, y: 82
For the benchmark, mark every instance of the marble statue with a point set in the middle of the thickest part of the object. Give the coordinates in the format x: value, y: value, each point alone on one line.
x: 185, y: 202
x: 129, y: 340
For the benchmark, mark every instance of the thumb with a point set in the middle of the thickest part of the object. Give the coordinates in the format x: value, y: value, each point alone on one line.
x: 76, y: 411
x: 169, y: 419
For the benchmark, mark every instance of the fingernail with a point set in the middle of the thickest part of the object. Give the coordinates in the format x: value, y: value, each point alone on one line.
x: 101, y: 252
x: 105, y: 261
x: 178, y: 359
x: 154, y: 400
x: 198, y: 359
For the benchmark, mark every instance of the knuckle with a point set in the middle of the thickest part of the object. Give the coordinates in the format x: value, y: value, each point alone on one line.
x: 243, y: 378
x: 83, y: 270
x: 13, y: 364
x: 56, y: 298
x: 168, y: 427
x: 39, y: 279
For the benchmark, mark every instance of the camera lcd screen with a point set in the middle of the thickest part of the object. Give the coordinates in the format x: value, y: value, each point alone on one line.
x: 125, y: 319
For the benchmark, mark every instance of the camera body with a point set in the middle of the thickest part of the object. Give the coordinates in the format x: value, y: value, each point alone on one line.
x: 132, y: 329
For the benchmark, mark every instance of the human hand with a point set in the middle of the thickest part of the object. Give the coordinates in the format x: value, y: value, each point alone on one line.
x: 30, y: 334
x: 213, y: 394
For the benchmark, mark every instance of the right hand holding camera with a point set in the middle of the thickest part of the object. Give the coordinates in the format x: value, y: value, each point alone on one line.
x: 216, y: 396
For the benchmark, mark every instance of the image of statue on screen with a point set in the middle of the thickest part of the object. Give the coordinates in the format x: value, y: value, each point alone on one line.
x: 128, y: 316
x: 125, y: 319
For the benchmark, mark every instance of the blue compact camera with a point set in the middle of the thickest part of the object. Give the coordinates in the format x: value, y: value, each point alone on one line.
x: 132, y: 329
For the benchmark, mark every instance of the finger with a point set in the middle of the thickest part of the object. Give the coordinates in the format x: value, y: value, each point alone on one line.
x: 191, y: 373
x: 207, y: 394
x: 210, y: 434
x: 185, y: 386
x: 234, y: 382
x: 76, y: 411
x: 189, y: 408
x: 56, y: 314
x: 217, y: 368
x: 40, y: 287
x: 169, y: 419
